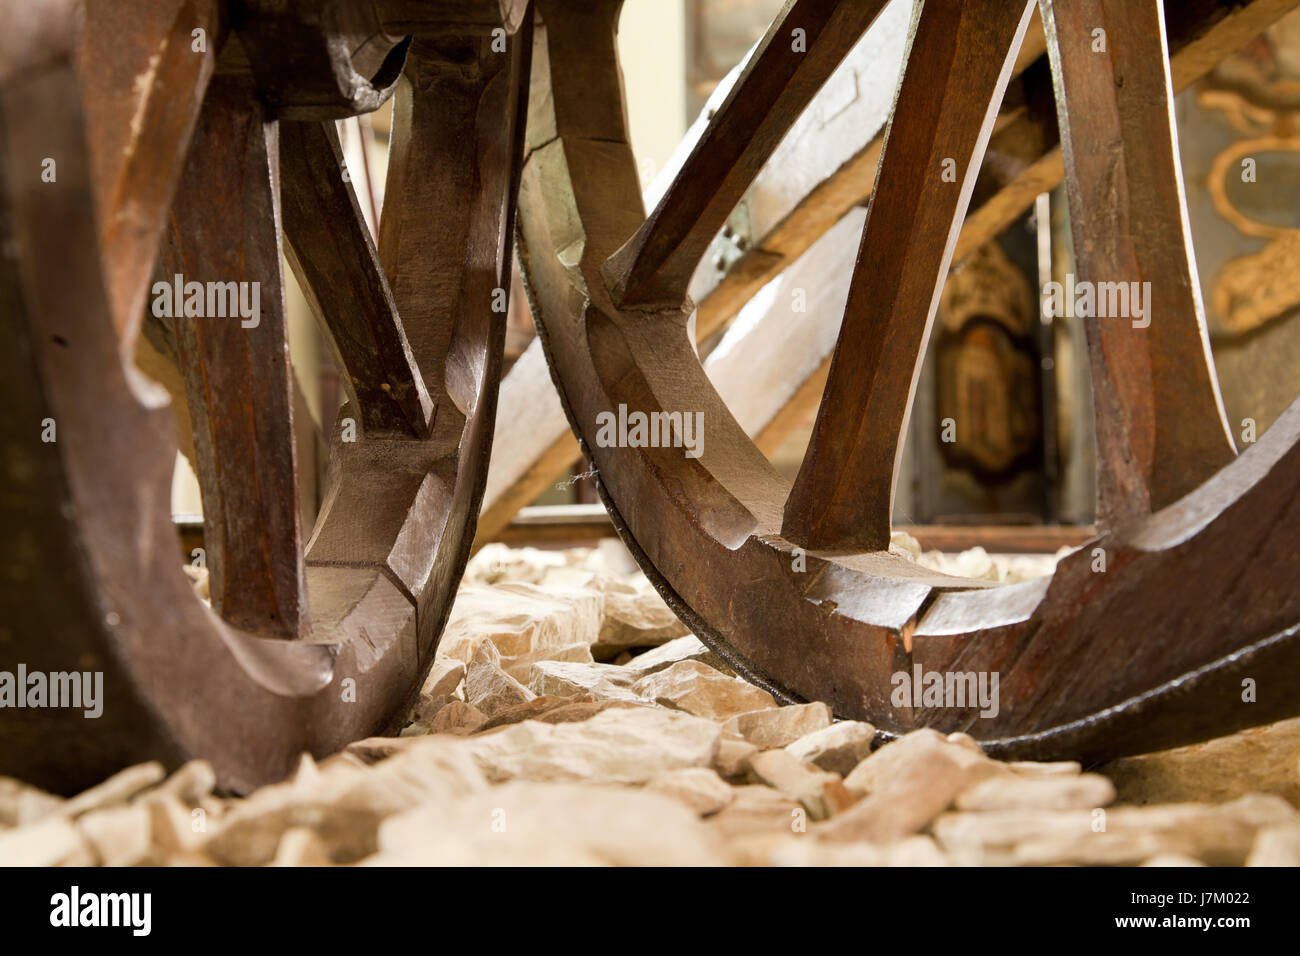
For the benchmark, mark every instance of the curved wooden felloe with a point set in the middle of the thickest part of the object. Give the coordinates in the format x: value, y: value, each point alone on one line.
x: 796, y: 586
x: 305, y: 648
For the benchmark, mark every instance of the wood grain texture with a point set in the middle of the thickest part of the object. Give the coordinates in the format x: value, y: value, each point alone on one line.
x: 397, y: 519
x: 1161, y: 428
x: 959, y: 63
x: 800, y: 49
x: 835, y: 625
x: 330, y: 250
x: 143, y: 94
x: 236, y: 369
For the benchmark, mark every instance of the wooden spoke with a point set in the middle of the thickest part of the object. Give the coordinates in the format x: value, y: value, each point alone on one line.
x: 334, y: 257
x: 959, y: 63
x: 235, y: 362
x: 138, y: 133
x: 799, y: 51
x: 446, y: 269
x: 1161, y: 429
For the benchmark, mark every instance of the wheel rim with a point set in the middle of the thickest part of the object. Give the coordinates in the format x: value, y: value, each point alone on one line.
x: 273, y: 679
x: 717, y: 534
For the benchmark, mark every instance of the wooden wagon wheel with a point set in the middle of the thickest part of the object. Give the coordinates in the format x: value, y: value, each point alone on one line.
x: 795, y: 585
x: 229, y: 109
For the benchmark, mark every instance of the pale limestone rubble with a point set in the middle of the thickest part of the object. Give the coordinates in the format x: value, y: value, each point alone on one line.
x: 570, y: 719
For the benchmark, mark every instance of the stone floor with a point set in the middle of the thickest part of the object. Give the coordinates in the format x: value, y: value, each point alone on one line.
x: 570, y: 719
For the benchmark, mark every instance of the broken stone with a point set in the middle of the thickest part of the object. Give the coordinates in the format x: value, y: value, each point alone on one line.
x: 913, y: 851
x: 121, y: 835
x: 519, y: 618
x: 520, y: 666
x: 756, y: 810
x: 550, y: 824
x: 1258, y: 760
x: 700, y: 788
x: 837, y: 748
x: 1172, y: 859
x: 52, y: 841
x: 444, y: 678
x: 344, y: 805
x: 688, y: 648
x: 498, y: 563
x: 965, y: 740
x: 457, y: 717
x: 574, y: 710
x: 119, y: 788
x: 176, y: 828
x: 886, y: 763
x: 21, y: 804
x: 618, y: 745
x: 374, y: 749
x: 698, y: 689
x: 300, y: 846
x: 776, y: 727
x: 1046, y: 793
x: 556, y: 710
x: 191, y: 782
x: 565, y: 679
x: 1219, y: 835
x: 1060, y: 768
x: 733, y: 756
x: 900, y: 804
x: 634, y: 618
x: 822, y: 794
x: 1276, y: 846
x: 489, y: 688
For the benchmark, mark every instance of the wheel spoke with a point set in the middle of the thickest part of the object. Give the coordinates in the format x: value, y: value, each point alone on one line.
x: 445, y: 238
x: 958, y: 66
x: 800, y: 50
x: 1161, y: 429
x: 331, y: 252
x: 236, y: 369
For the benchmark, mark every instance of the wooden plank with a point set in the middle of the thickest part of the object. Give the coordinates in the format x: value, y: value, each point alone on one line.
x: 959, y: 64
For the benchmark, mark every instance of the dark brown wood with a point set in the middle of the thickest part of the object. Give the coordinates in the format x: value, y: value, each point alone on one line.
x: 1023, y: 160
x: 92, y: 578
x: 95, y: 582
x: 143, y: 93
x: 959, y: 64
x: 1161, y: 428
x: 800, y: 49
x: 344, y: 62
x: 330, y: 250
x: 236, y: 365
x: 839, y: 625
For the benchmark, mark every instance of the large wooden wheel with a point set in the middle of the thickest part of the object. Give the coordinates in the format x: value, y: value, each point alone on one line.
x: 224, y: 115
x: 1191, y: 628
